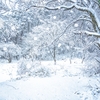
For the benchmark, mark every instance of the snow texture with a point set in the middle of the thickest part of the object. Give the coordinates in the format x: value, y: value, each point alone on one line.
x: 68, y: 83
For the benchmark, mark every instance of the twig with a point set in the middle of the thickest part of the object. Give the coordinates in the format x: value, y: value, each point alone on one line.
x: 11, y: 86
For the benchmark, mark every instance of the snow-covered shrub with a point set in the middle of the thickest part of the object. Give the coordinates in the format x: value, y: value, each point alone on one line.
x: 32, y: 68
x: 22, y: 69
x: 25, y: 66
x: 41, y: 71
x: 92, y: 67
x: 9, y: 51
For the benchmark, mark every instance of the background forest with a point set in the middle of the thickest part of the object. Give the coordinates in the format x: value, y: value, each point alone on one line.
x: 49, y: 49
x: 50, y: 30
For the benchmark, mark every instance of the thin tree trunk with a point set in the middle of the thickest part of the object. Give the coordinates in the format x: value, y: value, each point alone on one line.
x: 54, y: 54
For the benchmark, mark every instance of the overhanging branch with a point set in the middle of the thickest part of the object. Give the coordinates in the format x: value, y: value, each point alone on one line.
x: 51, y: 8
x: 88, y: 33
x: 89, y: 9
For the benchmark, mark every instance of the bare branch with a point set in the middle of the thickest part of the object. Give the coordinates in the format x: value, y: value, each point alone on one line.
x: 78, y: 19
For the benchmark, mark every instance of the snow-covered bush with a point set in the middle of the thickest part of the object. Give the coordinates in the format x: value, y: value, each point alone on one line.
x: 92, y: 67
x: 41, y: 71
x: 32, y: 68
x: 22, y: 69
x: 10, y: 51
x: 25, y: 66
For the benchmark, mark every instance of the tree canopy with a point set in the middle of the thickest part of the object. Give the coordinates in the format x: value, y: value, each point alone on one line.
x: 47, y: 29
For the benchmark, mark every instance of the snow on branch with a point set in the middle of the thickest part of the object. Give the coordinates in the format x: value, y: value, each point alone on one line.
x: 95, y: 16
x: 91, y: 10
x: 97, y: 59
x: 88, y: 33
x: 59, y: 7
x: 74, y: 21
x: 51, y: 8
x: 87, y: 9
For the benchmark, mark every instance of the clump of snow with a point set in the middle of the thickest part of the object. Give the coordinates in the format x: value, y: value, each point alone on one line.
x: 54, y: 17
x: 35, y: 38
x: 26, y: 1
x: 74, y: 0
x: 71, y: 11
x: 86, y: 1
x: 47, y: 28
x: 59, y: 45
x: 75, y: 25
x: 1, y: 23
x: 5, y: 48
x: 13, y: 28
x: 59, y: 0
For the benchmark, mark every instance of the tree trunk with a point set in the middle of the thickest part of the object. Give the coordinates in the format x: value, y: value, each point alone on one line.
x: 9, y: 58
x: 54, y: 55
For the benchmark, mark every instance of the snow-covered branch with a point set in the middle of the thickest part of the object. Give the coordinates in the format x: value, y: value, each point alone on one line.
x: 92, y: 12
x: 51, y: 8
x: 74, y: 21
x: 88, y: 33
x: 89, y: 9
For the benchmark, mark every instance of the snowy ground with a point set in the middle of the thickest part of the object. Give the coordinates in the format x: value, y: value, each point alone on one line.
x: 67, y: 83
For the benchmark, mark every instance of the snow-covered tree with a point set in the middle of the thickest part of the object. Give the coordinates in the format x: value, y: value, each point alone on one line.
x: 9, y: 51
x: 58, y: 24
